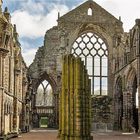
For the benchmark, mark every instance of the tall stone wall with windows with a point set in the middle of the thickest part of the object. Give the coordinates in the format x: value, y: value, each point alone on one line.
x: 13, y: 78
x: 126, y: 86
x: 60, y: 40
x: 83, y: 32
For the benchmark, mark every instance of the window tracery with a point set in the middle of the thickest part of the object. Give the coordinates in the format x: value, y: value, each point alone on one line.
x: 93, y: 51
x: 44, y: 96
x: 89, y: 12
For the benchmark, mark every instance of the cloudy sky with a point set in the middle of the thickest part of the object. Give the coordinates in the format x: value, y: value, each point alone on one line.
x: 34, y: 17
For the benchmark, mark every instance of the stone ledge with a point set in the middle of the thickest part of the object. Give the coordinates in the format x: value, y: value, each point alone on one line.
x: 9, y: 136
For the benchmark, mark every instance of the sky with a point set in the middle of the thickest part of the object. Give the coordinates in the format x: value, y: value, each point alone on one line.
x: 34, y: 17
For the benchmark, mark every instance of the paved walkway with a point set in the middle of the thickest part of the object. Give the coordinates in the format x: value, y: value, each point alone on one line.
x: 52, y: 135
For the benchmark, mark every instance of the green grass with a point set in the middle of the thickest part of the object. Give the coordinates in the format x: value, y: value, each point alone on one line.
x: 43, y: 122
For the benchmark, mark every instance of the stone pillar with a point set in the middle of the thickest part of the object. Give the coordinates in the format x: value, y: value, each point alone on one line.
x: 23, y: 119
x: 2, y: 119
x: 15, y: 102
x: 127, y: 111
x: 75, y: 104
x: 1, y: 91
x: 3, y: 53
x: 138, y: 66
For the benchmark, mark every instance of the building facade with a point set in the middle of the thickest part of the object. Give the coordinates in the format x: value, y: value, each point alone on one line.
x: 13, y: 79
x: 126, y: 81
x: 111, y: 57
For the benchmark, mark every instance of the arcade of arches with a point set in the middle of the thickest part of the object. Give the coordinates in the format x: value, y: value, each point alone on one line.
x: 111, y: 56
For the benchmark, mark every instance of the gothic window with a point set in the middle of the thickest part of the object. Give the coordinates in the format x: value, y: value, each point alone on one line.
x: 44, y: 96
x: 137, y: 99
x: 89, y: 12
x: 93, y: 51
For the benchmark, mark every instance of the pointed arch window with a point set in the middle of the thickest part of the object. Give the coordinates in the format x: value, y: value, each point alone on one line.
x: 89, y: 12
x: 44, y: 96
x: 93, y: 51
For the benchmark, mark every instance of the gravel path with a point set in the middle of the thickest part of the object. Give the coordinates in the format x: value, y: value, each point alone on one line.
x: 52, y: 135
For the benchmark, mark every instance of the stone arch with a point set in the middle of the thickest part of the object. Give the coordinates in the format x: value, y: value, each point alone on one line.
x: 89, y: 11
x: 100, y: 31
x: 47, y: 77
x: 135, y: 105
x: 103, y: 33
x: 45, y: 110
x: 93, y: 51
x: 118, y: 104
x: 130, y: 77
x: 132, y: 96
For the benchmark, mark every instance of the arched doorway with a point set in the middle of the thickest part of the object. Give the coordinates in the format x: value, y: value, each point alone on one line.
x: 118, y: 103
x: 44, y: 112
x: 135, y: 105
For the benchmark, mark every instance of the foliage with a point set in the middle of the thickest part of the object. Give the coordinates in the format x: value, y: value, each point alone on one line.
x: 43, y: 121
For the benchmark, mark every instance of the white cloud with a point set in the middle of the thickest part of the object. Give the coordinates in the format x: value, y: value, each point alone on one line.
x: 33, y: 7
x: 29, y: 55
x: 34, y: 26
x: 127, y: 9
x: 34, y: 18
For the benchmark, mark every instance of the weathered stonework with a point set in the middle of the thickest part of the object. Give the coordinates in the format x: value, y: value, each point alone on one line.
x: 16, y: 90
x: 75, y: 101
x: 123, y: 59
x: 13, y: 79
x: 59, y: 41
x: 126, y: 85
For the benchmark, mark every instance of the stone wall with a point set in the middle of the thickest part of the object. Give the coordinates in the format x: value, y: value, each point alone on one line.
x: 59, y: 41
x: 126, y: 68
x: 13, y: 77
x: 123, y: 56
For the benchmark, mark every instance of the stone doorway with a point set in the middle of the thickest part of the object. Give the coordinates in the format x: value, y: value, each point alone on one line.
x: 118, y: 105
x: 135, y: 124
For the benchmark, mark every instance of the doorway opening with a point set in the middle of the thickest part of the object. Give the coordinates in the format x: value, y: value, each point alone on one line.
x: 43, y: 122
x: 135, y: 106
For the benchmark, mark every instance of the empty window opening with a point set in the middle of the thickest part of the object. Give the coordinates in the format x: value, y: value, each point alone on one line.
x: 89, y: 12
x: 137, y: 99
x: 44, y: 95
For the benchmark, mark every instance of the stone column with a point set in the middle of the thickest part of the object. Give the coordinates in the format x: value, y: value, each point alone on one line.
x: 78, y: 104
x: 72, y: 112
x: 74, y: 116
x: 127, y: 111
x: 15, y: 101
x: 1, y: 90
x: 3, y: 53
x: 23, y: 119
x: 138, y: 65
x: 1, y: 94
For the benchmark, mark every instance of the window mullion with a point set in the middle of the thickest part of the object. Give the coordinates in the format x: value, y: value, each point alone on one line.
x: 100, y: 75
x: 98, y: 49
x: 93, y: 74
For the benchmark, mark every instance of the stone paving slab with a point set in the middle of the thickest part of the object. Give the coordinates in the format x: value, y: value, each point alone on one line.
x: 52, y: 135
